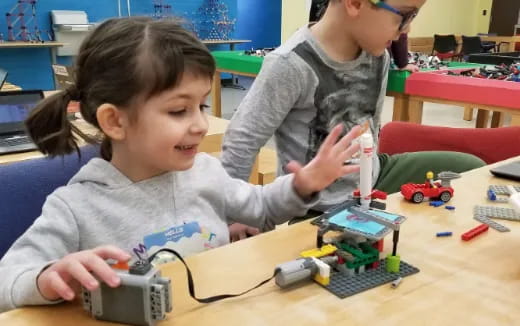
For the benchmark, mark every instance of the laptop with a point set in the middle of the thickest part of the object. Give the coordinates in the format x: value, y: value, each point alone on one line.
x: 508, y: 171
x: 3, y: 77
x: 15, y: 106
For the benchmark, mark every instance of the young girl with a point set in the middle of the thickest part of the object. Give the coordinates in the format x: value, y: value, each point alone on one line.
x: 143, y: 83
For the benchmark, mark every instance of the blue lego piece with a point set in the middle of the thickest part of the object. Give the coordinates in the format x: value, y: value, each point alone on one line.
x: 492, y: 195
x: 444, y: 234
x: 436, y: 203
x: 450, y: 208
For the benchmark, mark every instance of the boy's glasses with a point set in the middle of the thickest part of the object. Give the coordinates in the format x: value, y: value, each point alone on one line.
x: 407, y: 17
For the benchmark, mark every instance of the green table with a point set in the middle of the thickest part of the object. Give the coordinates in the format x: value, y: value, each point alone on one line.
x: 238, y: 63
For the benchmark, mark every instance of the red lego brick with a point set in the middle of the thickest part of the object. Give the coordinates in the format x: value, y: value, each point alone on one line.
x: 474, y: 232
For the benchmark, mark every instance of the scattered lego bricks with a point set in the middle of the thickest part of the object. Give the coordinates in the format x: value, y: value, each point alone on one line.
x: 436, y: 203
x: 501, y: 72
x: 343, y: 285
x: 424, y: 61
x: 259, y: 52
x: 474, y: 232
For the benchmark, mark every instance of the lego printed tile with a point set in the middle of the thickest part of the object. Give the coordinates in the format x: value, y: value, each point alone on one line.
x: 344, y: 286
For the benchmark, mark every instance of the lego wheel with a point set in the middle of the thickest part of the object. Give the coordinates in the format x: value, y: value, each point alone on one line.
x: 417, y: 197
x: 445, y: 196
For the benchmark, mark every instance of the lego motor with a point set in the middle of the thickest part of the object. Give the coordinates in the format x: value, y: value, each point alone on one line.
x: 302, y: 269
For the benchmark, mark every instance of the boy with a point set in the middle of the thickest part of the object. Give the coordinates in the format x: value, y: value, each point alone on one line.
x: 332, y: 72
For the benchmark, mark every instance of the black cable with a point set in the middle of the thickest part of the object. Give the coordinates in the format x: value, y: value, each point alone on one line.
x: 191, y: 285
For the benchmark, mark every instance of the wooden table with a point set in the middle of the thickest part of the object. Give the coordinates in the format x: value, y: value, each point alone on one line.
x: 52, y: 46
x: 499, y: 97
x: 416, y: 103
x: 509, y: 40
x: 460, y: 283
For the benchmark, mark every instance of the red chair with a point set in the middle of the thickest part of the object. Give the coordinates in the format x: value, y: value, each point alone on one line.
x: 489, y: 144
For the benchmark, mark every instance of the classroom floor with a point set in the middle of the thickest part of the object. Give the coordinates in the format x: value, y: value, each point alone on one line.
x: 433, y: 114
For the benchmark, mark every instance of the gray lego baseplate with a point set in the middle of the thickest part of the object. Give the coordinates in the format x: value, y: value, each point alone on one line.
x: 496, y: 212
x: 491, y: 223
x: 343, y: 285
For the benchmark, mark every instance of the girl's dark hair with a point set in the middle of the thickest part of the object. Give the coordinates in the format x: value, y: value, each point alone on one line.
x: 121, y: 62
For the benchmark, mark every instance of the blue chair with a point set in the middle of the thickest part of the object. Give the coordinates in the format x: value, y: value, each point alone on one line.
x: 25, y: 185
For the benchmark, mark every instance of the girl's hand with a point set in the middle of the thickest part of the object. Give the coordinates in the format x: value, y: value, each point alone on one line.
x: 239, y: 231
x: 328, y: 165
x: 60, y: 278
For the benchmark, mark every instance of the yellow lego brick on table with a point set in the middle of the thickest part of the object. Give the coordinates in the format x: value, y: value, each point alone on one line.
x: 322, y: 280
x: 319, y: 252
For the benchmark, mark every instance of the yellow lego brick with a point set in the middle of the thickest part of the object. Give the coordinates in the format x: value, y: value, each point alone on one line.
x: 319, y: 252
x: 322, y: 280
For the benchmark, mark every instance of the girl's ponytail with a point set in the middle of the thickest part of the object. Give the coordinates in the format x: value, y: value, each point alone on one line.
x: 49, y: 126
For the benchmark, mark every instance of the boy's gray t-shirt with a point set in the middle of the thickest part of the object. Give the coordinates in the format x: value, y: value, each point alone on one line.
x: 299, y: 96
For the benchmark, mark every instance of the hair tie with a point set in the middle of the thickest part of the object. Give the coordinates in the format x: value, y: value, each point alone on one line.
x: 73, y: 93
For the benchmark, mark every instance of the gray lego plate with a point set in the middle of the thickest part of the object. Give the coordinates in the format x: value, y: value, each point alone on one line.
x: 345, y: 286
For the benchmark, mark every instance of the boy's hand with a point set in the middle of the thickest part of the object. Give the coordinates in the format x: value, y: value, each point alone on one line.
x: 239, y: 231
x: 411, y: 68
x: 328, y: 165
x: 59, y: 279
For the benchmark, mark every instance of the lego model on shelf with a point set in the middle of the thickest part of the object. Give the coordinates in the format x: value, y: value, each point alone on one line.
x: 162, y: 9
x: 22, y: 24
x: 213, y: 21
x: 259, y: 52
x: 434, y: 190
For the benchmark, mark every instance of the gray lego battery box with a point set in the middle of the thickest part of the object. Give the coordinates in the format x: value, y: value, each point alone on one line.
x: 139, y: 300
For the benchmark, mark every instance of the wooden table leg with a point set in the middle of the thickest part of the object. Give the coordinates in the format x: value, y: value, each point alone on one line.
x: 512, y: 47
x: 515, y: 120
x: 482, y: 118
x: 468, y: 113
x: 216, y: 96
x: 415, y: 110
x: 497, y: 119
x: 254, y: 177
x: 401, y: 109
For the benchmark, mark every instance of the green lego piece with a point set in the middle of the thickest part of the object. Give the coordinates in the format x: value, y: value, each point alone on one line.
x: 393, y: 263
x: 367, y: 255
